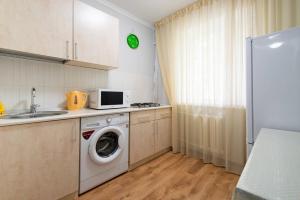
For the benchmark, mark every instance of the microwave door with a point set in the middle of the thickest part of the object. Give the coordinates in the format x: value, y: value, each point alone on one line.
x: 111, y: 99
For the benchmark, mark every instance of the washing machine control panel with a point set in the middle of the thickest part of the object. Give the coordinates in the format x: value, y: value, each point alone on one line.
x: 104, y: 120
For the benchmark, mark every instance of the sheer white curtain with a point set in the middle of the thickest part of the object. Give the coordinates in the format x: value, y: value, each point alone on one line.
x: 200, y: 53
x: 274, y: 15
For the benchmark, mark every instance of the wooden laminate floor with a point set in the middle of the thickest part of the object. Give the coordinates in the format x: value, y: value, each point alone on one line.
x: 171, y: 176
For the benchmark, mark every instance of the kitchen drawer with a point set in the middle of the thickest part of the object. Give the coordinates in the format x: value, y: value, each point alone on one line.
x: 163, y: 113
x: 142, y: 116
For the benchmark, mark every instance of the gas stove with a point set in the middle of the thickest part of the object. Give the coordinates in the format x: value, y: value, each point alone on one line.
x: 144, y: 105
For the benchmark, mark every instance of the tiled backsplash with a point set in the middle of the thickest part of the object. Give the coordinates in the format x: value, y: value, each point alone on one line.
x: 51, y: 80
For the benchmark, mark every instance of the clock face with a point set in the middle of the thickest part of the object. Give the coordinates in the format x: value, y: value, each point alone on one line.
x: 133, y: 41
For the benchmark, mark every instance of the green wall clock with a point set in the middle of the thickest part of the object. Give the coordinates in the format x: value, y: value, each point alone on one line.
x: 133, y: 41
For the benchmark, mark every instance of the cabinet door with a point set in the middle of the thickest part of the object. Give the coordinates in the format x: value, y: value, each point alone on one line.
x: 39, y: 160
x: 142, y: 138
x: 96, y: 36
x: 42, y: 27
x: 163, y: 134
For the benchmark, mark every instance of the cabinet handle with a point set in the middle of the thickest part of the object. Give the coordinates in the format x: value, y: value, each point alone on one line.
x: 67, y: 49
x: 76, y: 53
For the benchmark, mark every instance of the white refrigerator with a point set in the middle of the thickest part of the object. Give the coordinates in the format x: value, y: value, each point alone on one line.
x: 273, y: 83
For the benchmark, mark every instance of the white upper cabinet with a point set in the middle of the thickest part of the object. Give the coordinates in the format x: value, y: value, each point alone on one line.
x: 38, y: 27
x: 68, y: 30
x: 96, y: 38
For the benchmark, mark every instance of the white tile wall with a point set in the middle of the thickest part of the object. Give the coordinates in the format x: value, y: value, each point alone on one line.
x: 51, y: 80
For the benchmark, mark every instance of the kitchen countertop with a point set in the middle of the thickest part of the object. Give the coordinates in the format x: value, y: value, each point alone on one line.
x: 273, y: 168
x: 76, y: 114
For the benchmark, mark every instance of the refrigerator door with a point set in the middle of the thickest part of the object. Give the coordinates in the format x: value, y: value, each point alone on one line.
x: 276, y: 81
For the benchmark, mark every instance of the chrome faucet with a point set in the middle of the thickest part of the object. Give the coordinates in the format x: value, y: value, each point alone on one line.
x: 33, y: 106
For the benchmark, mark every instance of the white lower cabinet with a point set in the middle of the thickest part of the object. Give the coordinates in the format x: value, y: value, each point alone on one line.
x: 142, y: 141
x: 150, y: 135
x: 163, y: 127
x: 40, y: 160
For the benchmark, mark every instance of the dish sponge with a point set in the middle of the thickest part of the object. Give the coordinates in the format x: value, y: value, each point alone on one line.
x: 2, y: 109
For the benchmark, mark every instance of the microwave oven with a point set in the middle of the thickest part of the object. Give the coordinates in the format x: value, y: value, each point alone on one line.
x: 108, y: 99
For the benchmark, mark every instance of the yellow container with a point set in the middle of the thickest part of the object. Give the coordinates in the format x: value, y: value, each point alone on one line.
x: 76, y: 100
x: 2, y: 109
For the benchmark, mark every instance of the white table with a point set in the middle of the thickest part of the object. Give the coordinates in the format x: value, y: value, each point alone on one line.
x: 273, y: 168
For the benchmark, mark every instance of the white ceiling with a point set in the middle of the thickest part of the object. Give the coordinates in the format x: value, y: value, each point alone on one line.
x: 151, y: 10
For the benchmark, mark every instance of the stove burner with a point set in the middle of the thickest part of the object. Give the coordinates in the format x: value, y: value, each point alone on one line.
x: 144, y: 105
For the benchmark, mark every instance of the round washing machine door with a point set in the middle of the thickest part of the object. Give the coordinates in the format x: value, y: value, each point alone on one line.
x: 106, y: 145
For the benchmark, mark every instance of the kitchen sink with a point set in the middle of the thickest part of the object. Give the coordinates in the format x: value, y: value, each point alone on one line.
x: 37, y: 114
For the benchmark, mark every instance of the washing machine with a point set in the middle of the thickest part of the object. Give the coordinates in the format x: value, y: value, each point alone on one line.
x: 104, y: 149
